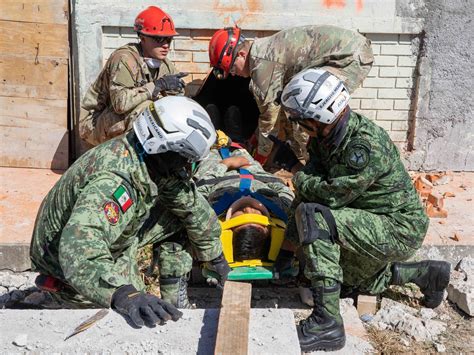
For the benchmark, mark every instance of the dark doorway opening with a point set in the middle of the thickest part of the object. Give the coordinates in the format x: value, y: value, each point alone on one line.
x: 231, y: 106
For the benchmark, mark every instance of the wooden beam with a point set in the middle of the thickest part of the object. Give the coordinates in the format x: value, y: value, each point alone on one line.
x: 43, y: 78
x: 366, y: 304
x: 40, y: 11
x: 34, y: 39
x: 234, y: 317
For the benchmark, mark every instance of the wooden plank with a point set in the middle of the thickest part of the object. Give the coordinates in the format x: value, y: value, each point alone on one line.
x: 40, y: 11
x: 47, y: 78
x: 34, y: 39
x: 233, y: 329
x: 23, y: 112
x: 34, y: 147
x: 366, y: 304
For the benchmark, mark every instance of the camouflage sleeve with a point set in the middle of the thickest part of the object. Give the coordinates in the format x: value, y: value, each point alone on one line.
x: 267, y: 125
x: 342, y: 190
x: 209, y: 168
x: 183, y: 200
x: 96, y: 222
x: 125, y: 92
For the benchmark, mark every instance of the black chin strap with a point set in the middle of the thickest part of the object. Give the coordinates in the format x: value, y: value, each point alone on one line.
x: 337, y: 134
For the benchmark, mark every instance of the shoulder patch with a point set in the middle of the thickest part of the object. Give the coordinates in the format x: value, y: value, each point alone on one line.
x: 123, y: 198
x: 112, y: 213
x: 358, y: 154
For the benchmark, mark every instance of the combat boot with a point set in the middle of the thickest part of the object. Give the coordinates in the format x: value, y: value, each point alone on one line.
x: 324, y: 328
x: 431, y: 276
x: 175, y: 291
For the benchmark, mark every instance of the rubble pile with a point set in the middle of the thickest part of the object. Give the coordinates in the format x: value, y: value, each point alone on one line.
x: 433, y: 201
x: 417, y: 324
x: 461, y: 286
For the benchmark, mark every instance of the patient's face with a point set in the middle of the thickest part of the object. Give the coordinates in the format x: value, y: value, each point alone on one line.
x: 249, y: 205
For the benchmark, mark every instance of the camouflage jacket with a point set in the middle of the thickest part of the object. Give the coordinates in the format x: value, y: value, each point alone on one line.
x: 214, y: 180
x: 124, y: 83
x: 95, y: 213
x: 364, y: 172
x: 276, y: 59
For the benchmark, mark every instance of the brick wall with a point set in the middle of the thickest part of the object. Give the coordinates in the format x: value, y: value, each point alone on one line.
x: 384, y: 97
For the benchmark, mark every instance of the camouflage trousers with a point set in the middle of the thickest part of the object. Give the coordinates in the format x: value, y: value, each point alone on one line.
x: 174, y: 262
x: 96, y: 127
x: 361, y: 257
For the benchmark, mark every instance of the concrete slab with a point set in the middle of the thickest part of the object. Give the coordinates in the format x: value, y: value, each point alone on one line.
x: 271, y: 332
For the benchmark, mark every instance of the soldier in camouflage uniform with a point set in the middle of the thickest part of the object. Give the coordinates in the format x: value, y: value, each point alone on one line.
x: 357, y: 213
x: 133, y: 74
x: 93, y: 221
x: 272, y: 61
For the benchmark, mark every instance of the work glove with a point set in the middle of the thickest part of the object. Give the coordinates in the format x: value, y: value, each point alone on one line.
x: 283, y: 263
x: 169, y: 82
x: 220, y: 268
x: 143, y: 308
x: 284, y: 156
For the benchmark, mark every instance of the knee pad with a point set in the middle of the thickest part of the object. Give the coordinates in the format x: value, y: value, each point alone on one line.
x: 308, y: 228
x: 174, y: 260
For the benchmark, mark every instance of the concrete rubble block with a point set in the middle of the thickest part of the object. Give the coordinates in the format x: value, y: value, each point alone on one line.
x: 403, y: 319
x: 195, y: 333
x: 461, y: 286
x: 20, y: 281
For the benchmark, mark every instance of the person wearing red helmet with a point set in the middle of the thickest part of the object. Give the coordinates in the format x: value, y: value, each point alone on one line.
x: 133, y: 74
x: 272, y: 61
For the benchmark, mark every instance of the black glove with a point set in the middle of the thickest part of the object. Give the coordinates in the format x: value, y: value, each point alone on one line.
x: 143, y: 308
x: 169, y: 82
x: 284, y: 156
x: 282, y: 263
x: 220, y: 267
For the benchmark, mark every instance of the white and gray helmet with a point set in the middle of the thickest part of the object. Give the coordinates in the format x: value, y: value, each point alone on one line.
x: 177, y: 124
x: 314, y: 94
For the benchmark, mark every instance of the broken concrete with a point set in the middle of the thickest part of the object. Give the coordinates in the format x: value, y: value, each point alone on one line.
x: 271, y: 331
x: 461, y: 286
x: 404, y: 319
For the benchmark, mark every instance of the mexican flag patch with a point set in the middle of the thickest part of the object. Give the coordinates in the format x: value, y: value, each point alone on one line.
x: 123, y: 198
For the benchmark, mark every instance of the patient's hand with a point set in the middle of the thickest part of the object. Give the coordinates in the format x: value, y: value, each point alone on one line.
x: 235, y: 162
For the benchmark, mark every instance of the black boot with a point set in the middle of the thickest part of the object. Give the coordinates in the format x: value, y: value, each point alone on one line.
x: 323, y: 329
x: 431, y: 276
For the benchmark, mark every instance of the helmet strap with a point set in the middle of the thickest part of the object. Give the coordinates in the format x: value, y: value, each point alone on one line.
x: 338, y: 133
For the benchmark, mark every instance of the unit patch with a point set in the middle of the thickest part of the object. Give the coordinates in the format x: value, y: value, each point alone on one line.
x: 123, y: 198
x: 112, y: 212
x: 358, y: 154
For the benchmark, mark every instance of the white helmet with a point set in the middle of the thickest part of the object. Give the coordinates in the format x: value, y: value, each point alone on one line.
x: 314, y: 94
x: 177, y: 124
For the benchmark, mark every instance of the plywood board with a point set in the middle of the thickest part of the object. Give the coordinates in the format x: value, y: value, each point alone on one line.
x: 233, y: 329
x: 23, y: 112
x: 39, y: 11
x: 34, y: 39
x: 45, y: 78
x: 34, y: 147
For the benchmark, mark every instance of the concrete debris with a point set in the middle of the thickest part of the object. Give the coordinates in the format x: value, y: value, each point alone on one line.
x: 461, y: 286
x: 404, y: 319
x: 427, y: 313
x: 275, y: 333
x: 306, y: 296
x: 19, y: 281
x: 440, y: 347
x: 21, y: 340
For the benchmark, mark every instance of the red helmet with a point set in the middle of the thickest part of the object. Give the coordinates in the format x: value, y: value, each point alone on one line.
x: 154, y: 22
x: 223, y: 50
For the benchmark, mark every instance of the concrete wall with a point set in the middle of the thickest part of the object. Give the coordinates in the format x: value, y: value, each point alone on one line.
x: 445, y: 112
x: 393, y: 95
